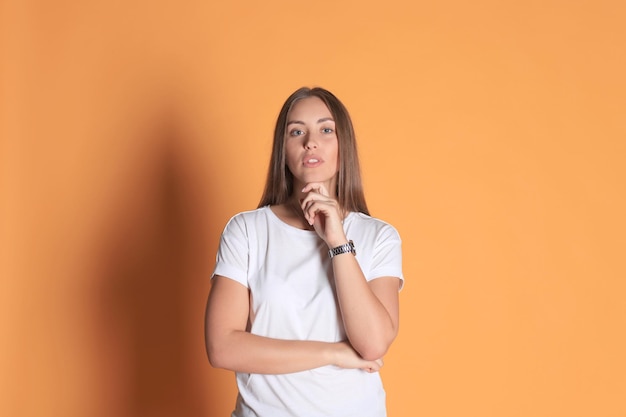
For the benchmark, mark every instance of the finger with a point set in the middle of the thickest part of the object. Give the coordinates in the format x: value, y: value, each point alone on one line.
x: 310, y: 213
x: 313, y: 208
x: 310, y: 205
x: 316, y: 187
x: 372, y: 368
x: 322, y: 202
x: 310, y: 208
x: 379, y: 364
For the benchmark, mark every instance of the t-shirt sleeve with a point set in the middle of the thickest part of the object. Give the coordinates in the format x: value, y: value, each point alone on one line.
x: 232, y: 255
x: 387, y: 255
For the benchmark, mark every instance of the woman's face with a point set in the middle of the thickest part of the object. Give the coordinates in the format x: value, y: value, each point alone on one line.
x: 311, y: 144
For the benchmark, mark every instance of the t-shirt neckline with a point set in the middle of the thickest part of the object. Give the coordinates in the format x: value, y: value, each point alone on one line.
x: 293, y: 229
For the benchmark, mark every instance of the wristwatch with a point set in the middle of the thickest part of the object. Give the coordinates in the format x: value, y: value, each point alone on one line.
x: 345, y: 248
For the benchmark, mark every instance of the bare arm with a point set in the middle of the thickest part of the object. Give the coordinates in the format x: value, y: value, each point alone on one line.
x: 369, y: 310
x: 229, y: 346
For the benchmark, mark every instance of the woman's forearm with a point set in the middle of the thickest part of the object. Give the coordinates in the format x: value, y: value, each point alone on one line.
x: 230, y: 346
x: 371, y: 323
x: 245, y: 352
x: 241, y: 351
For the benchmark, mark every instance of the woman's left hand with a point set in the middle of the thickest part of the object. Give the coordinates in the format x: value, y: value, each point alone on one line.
x: 324, y: 214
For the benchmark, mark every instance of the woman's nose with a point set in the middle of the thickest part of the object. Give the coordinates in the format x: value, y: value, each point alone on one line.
x: 309, y: 142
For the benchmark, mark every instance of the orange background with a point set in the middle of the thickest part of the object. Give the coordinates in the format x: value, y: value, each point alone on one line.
x: 492, y: 135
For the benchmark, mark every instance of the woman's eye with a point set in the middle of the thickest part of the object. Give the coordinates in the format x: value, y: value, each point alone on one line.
x: 296, y: 132
x: 327, y: 130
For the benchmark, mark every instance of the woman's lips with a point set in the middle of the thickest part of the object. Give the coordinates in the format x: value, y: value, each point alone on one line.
x: 312, y: 161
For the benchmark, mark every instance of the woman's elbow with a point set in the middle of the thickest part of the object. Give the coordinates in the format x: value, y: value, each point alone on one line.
x: 372, y: 353
x: 373, y: 349
x: 217, y: 357
x: 217, y: 363
x: 217, y: 353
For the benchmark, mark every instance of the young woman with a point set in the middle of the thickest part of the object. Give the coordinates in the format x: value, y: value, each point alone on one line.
x: 304, y: 299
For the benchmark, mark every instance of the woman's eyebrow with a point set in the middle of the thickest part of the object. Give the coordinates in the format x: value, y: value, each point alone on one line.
x: 322, y: 120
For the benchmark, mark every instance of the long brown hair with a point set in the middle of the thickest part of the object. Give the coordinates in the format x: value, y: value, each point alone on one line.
x: 279, y: 183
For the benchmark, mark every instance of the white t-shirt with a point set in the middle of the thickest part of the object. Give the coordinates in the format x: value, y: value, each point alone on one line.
x: 289, y: 275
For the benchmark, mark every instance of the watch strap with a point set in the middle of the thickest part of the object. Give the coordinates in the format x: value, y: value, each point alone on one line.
x: 345, y: 248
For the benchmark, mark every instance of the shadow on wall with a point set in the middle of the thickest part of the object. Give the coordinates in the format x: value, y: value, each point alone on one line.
x: 153, y: 271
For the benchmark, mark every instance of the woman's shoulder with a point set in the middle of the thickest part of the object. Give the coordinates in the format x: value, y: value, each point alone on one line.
x: 366, y: 219
x: 248, y: 216
x: 369, y: 223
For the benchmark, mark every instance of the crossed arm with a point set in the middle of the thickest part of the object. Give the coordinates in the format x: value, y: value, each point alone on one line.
x: 230, y: 346
x: 369, y: 311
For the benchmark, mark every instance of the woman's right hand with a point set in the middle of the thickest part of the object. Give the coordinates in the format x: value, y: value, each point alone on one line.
x: 346, y: 357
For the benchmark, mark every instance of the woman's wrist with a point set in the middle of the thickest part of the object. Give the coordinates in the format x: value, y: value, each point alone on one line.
x: 333, y: 353
x: 347, y: 247
x: 336, y: 241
